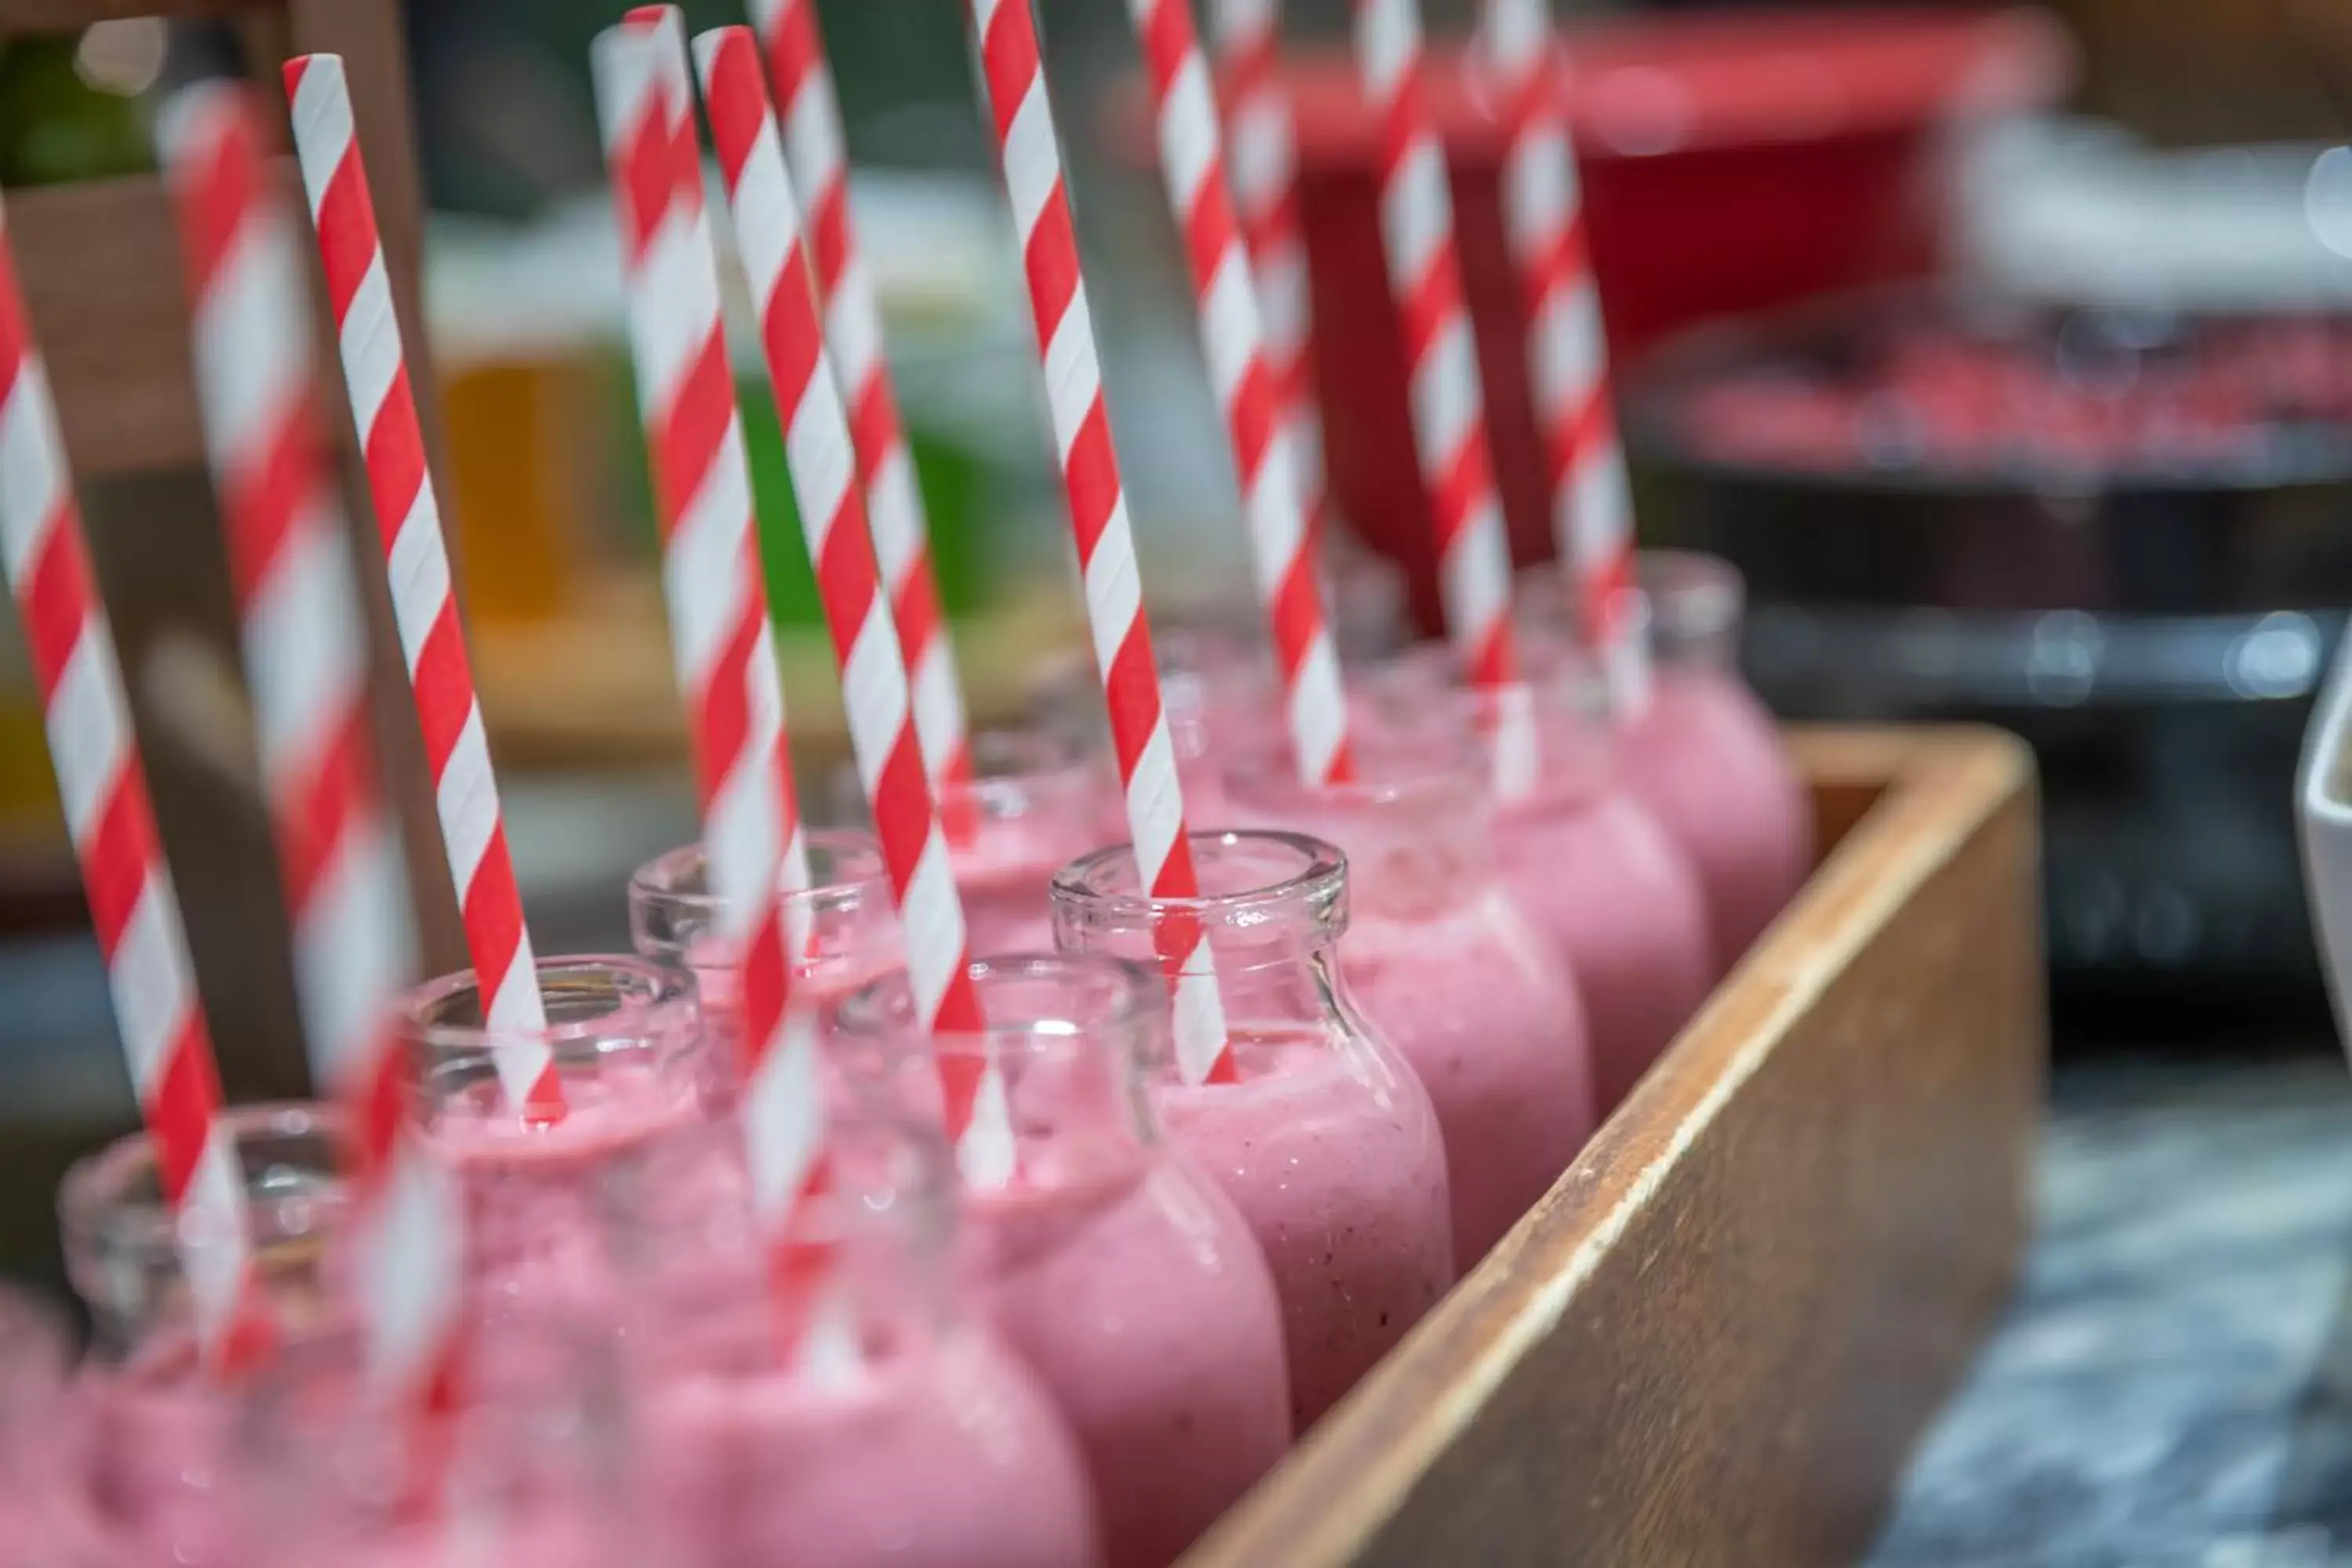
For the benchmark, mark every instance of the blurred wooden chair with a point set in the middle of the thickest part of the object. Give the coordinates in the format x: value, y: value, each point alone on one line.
x: 101, y: 278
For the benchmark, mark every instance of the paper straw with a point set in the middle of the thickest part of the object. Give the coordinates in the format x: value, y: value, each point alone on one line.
x: 1264, y: 143
x: 423, y: 599
x: 1592, y: 507
x: 1449, y: 418
x: 720, y: 632
x: 1191, y: 159
x: 1028, y: 148
x: 104, y: 791
x: 876, y: 699
x: 302, y: 623
x: 815, y: 156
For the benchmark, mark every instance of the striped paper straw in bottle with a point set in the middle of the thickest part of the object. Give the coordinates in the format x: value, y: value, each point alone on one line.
x: 302, y: 624
x: 1592, y: 508
x: 1449, y: 418
x: 720, y: 637
x: 104, y: 791
x: 424, y: 598
x: 1028, y: 148
x: 1264, y: 144
x: 816, y: 157
x: 1225, y: 302
x: 875, y: 693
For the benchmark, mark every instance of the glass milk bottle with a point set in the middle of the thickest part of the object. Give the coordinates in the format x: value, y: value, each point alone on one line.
x: 1704, y: 756
x: 1037, y: 800
x: 1445, y: 965
x: 1120, y: 1273
x: 1321, y: 1134
x: 1702, y: 753
x: 633, y: 1061
x: 157, y: 1464
x: 1592, y: 869
x: 842, y: 1409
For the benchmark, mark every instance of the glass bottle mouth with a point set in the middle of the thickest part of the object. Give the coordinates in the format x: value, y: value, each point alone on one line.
x: 592, y: 1000
x: 288, y: 1153
x: 1030, y: 1002
x: 672, y: 910
x: 1019, y: 774
x: 123, y: 1243
x: 1254, y: 882
x: 1210, y: 677
x: 1418, y: 699
x: 1416, y: 824
x: 1696, y: 603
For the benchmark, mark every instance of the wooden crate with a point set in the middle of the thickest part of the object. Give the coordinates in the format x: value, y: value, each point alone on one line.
x: 1716, y: 1338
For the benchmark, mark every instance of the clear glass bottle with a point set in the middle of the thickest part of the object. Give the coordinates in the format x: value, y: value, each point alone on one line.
x: 529, y: 1468
x: 1324, y: 1138
x: 157, y: 1467
x: 1038, y: 798
x: 842, y: 1408
x: 1217, y: 691
x: 1112, y: 1265
x: 633, y: 1060
x: 1447, y: 967
x: 1593, y: 871
x: 1703, y: 754
x: 850, y: 923
x: 1705, y: 757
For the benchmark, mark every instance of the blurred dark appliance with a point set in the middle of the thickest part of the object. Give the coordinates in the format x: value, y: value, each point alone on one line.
x: 2123, y: 534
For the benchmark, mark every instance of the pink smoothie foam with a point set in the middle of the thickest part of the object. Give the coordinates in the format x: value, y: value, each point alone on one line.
x: 529, y: 1193
x: 1602, y: 879
x: 1141, y: 1302
x: 946, y: 1456
x: 1342, y: 1178
x: 154, y: 1462
x: 1496, y: 1035
x: 1705, y: 759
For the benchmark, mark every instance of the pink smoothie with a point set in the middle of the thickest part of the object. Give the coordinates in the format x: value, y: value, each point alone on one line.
x: 533, y: 1227
x: 1142, y: 1304
x: 1496, y: 1035
x: 1003, y: 870
x: 1599, y: 878
x: 947, y: 1456
x: 1705, y: 759
x: 155, y: 1461
x: 1342, y: 1177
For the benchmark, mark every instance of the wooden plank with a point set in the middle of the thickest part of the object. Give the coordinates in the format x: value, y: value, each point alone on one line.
x: 19, y: 18
x: 99, y: 265
x: 1716, y: 1338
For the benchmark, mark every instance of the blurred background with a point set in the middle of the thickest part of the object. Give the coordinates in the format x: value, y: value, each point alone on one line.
x: 2009, y: 353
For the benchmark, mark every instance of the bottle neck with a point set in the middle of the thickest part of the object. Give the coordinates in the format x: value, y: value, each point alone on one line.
x: 1271, y: 908
x: 844, y: 926
x: 1416, y: 823
x: 1064, y: 1042
x: 1696, y: 605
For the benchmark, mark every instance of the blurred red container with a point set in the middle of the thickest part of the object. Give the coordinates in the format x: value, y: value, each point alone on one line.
x: 1730, y: 163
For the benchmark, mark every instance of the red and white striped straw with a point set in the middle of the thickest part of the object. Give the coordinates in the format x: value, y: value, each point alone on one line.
x: 1028, y: 146
x: 424, y: 600
x: 104, y: 792
x: 302, y: 620
x: 1264, y: 141
x: 1592, y: 507
x: 1191, y: 159
x: 720, y: 632
x: 816, y: 157
x: 876, y: 699
x: 1449, y: 416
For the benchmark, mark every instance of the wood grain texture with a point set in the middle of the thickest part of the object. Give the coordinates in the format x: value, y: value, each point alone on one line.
x: 1716, y: 1338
